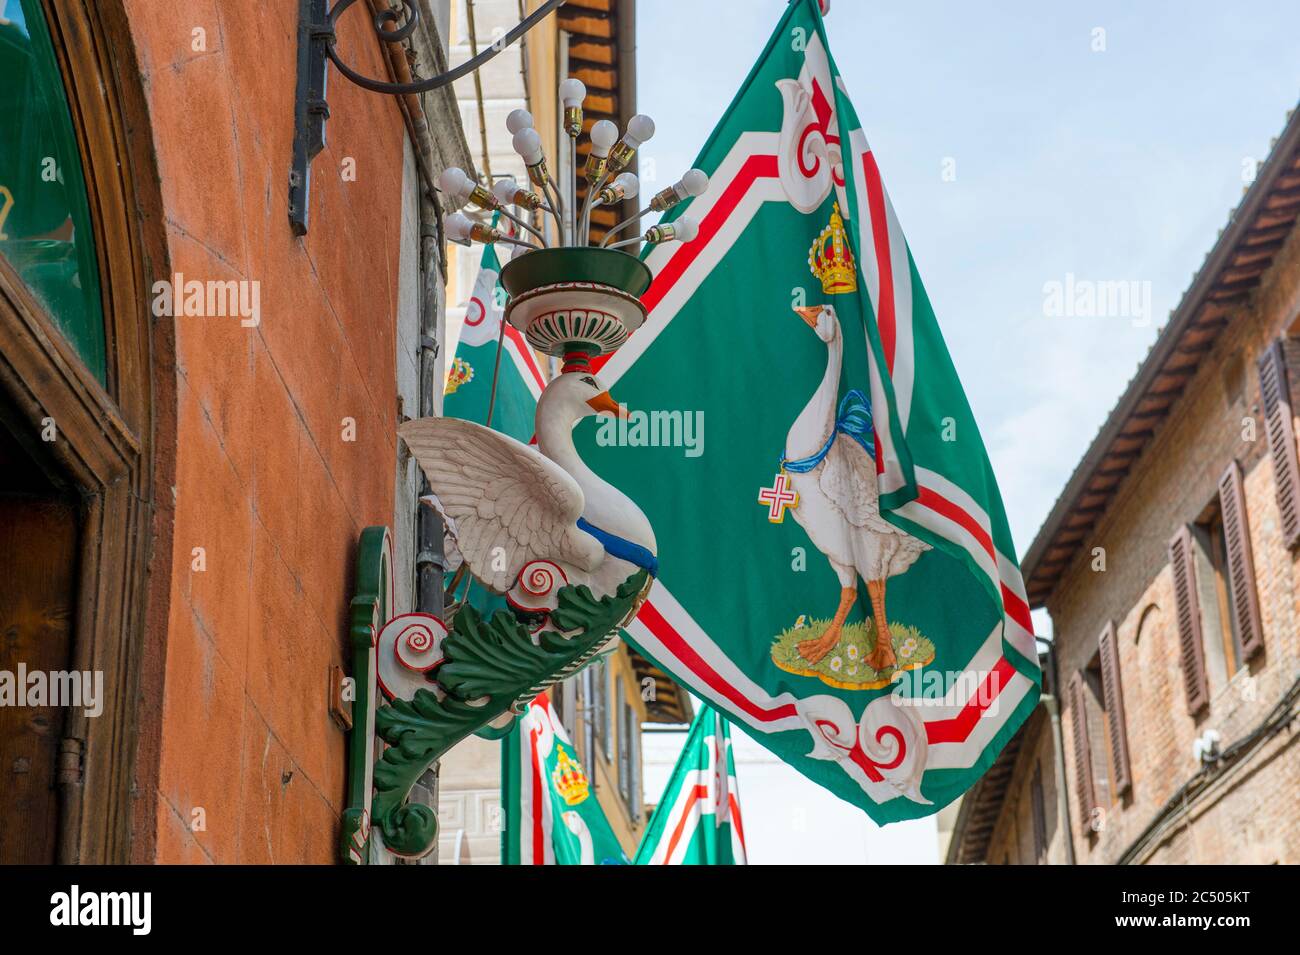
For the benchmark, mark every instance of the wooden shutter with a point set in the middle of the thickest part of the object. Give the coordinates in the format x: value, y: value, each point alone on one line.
x: 588, y: 722
x: 1182, y: 560
x: 1113, y: 700
x: 635, y: 805
x: 1084, y: 787
x: 624, y: 742
x: 1241, y: 563
x: 1275, y: 395
x: 603, y: 730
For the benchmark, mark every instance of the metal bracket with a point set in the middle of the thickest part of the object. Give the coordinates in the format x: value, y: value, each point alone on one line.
x: 316, y: 39
x: 311, y: 109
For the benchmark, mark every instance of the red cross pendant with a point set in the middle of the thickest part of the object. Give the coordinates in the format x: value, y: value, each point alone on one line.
x: 778, y: 497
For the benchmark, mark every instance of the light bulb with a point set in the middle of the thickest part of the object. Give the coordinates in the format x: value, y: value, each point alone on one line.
x: 603, y: 135
x: 461, y: 228
x: 507, y: 192
x: 455, y: 183
x: 694, y: 183
x: 528, y: 144
x: 640, y: 129
x: 683, y: 230
x: 630, y: 184
x: 519, y: 119
x: 458, y: 227
x: 626, y: 186
x: 572, y: 92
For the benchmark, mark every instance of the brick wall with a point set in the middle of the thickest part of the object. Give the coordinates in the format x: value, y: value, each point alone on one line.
x: 1012, y: 841
x: 1251, y: 815
x: 266, y: 484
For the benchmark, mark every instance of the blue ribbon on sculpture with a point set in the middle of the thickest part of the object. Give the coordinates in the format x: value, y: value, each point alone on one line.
x: 852, y: 419
x: 622, y: 548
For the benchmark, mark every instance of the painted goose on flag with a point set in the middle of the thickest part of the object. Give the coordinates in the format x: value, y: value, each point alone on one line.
x: 831, y: 462
x: 528, y: 520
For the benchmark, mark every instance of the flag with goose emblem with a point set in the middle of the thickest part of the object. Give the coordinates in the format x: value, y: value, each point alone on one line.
x: 697, y: 821
x: 552, y: 816
x: 837, y: 575
x: 519, y: 374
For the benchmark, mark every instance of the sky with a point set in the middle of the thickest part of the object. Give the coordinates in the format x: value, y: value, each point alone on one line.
x: 1022, y: 145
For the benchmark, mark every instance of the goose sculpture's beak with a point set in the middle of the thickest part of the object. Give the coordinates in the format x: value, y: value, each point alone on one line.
x: 605, y: 402
x: 809, y: 315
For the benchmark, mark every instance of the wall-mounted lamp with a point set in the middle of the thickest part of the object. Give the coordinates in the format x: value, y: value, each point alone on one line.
x: 316, y: 48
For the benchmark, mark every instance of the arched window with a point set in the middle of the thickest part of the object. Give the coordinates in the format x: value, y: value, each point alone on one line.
x: 1146, y: 622
x: 45, y: 225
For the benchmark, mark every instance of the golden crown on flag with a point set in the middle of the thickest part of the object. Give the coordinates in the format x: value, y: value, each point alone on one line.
x: 831, y: 260
x: 570, y: 781
x: 460, y: 373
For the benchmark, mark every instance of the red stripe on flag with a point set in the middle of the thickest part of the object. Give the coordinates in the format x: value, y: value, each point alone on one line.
x: 755, y: 167
x: 671, y: 639
x: 539, y: 841
x: 1017, y: 609
x: 957, y: 728
x: 524, y: 350
x: 735, y: 819
x: 698, y: 793
x: 884, y: 265
x: 1014, y: 605
x: 932, y: 499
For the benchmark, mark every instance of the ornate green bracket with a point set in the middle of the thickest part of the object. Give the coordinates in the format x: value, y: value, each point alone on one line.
x: 370, y: 608
x: 492, y: 668
x: 485, y: 670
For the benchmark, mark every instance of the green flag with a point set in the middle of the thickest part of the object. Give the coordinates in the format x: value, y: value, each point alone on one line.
x: 552, y: 816
x: 836, y: 570
x: 697, y: 822
x: 520, y: 376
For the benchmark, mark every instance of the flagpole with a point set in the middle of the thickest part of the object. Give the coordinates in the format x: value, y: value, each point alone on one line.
x: 496, y: 371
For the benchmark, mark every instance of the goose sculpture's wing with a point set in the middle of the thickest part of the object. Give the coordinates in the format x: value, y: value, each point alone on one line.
x: 502, y: 494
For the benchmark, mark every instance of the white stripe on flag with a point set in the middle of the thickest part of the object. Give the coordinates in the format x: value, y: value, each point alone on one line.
x: 761, y: 191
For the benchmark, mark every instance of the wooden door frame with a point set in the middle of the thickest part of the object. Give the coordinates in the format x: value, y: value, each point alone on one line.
x: 115, y: 442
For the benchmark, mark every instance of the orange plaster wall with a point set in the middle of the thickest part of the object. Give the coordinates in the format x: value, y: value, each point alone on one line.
x: 265, y: 483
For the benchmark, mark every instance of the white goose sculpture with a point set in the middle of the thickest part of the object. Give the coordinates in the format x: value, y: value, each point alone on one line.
x: 835, y: 477
x: 529, y: 520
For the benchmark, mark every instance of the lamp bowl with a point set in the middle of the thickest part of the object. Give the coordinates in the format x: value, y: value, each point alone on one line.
x: 576, y: 299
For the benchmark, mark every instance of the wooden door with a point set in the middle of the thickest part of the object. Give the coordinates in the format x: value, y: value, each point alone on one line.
x: 38, y: 564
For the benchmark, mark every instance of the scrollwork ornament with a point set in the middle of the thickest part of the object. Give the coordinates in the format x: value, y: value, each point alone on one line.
x: 492, y: 669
